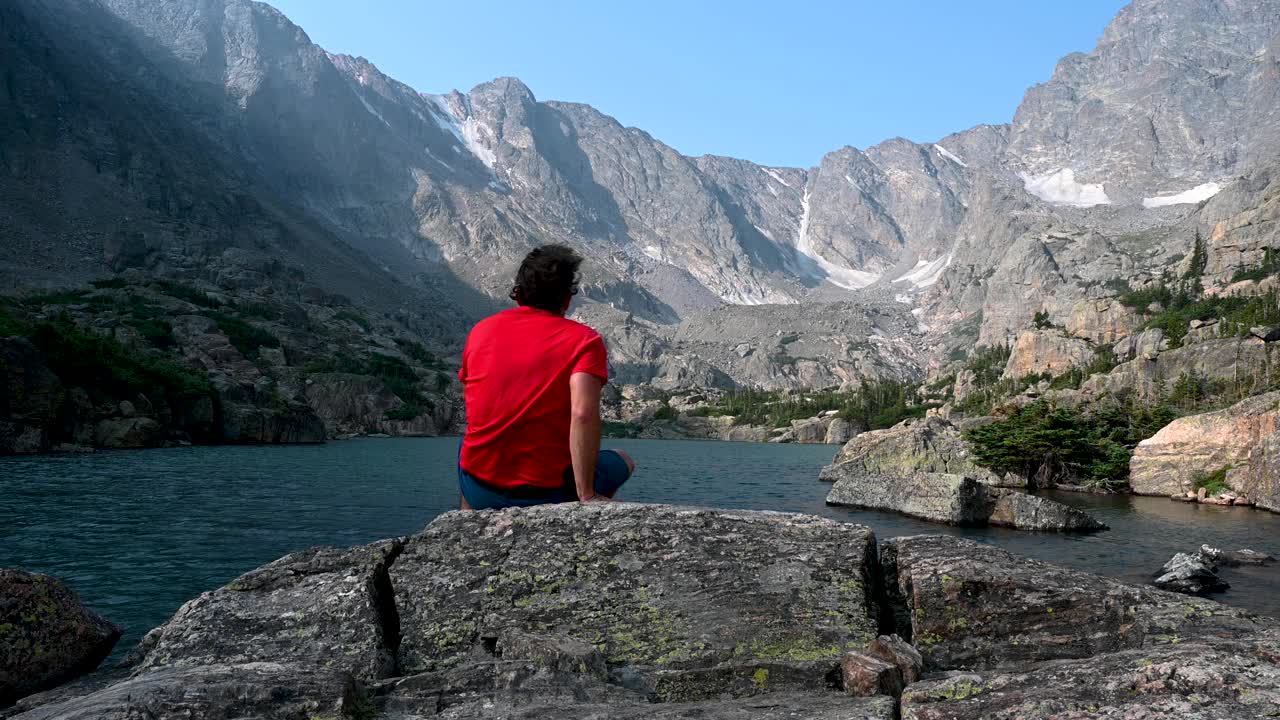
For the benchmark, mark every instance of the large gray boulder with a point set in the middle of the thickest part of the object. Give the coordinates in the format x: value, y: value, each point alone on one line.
x: 927, y: 445
x: 47, y: 636
x: 633, y: 611
x: 683, y: 603
x: 970, y: 606
x: 563, y: 611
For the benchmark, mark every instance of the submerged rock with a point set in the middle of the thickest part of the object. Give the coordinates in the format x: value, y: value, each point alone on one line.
x: 1191, y: 574
x: 1233, y: 558
x: 46, y: 635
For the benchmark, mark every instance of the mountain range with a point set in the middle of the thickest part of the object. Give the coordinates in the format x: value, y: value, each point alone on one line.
x: 212, y: 140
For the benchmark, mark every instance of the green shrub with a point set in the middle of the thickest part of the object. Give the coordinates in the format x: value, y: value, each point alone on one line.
x: 109, y: 370
x: 183, y: 291
x: 420, y: 354
x: 1214, y: 482
x: 877, y: 405
x: 157, y: 332
x: 1041, y: 320
x: 613, y: 429
x: 1093, y: 447
x: 246, y: 338
x: 1270, y: 266
x: 399, y: 378
x: 11, y: 325
x: 354, y: 317
x: 261, y: 311
x: 666, y: 412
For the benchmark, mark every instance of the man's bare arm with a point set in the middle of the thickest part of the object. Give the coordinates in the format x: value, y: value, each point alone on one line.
x: 584, y: 432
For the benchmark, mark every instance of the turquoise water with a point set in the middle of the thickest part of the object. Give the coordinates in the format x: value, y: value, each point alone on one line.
x: 139, y: 533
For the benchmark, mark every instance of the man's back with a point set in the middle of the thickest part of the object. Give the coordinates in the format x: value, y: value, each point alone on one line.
x: 515, y: 374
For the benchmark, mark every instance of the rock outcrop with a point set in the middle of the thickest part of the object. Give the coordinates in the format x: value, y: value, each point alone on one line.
x: 632, y: 611
x: 47, y: 636
x: 927, y: 445
x: 970, y: 606
x: 1051, y: 352
x: 1234, y: 558
x: 953, y: 500
x: 558, y: 611
x: 922, y: 468
x: 1241, y: 439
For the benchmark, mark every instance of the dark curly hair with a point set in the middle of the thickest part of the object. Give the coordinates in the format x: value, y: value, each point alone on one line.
x: 548, y: 275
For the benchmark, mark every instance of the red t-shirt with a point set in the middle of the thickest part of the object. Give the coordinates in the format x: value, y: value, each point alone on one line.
x: 515, y: 377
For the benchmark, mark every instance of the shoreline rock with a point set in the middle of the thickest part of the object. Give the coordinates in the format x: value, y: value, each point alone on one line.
x: 47, y: 636
x: 649, y: 611
x: 1240, y: 441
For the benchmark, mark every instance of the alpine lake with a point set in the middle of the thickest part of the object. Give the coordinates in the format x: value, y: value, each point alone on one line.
x: 138, y: 533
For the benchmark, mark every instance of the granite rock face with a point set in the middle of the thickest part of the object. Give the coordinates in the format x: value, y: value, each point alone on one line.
x: 927, y: 445
x: 1207, y: 678
x: 47, y: 636
x: 1048, y: 352
x: 1238, y: 438
x: 968, y: 606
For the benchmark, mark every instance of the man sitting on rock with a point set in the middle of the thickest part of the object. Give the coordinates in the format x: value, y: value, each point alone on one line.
x: 532, y: 380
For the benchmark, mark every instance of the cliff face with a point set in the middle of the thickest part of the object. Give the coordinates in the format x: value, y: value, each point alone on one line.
x: 653, y: 611
x: 143, y: 363
x: 225, y: 123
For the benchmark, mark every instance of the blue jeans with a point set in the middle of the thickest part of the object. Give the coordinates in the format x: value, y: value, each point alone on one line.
x: 611, y: 472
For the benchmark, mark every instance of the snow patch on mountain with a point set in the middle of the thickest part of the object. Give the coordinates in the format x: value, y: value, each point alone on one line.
x: 372, y: 110
x: 844, y: 277
x: 1197, y: 194
x: 1060, y: 187
x: 773, y: 174
x: 467, y: 132
x: 949, y: 155
x: 926, y: 272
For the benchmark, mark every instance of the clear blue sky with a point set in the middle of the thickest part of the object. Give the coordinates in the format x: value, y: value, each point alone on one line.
x: 773, y: 82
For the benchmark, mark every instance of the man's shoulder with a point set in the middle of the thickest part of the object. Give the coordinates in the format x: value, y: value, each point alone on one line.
x: 585, y: 332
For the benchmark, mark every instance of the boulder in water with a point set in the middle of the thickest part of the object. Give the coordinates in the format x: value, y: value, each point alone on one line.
x: 912, y: 447
x: 1234, y: 558
x: 47, y: 636
x: 1191, y: 574
x: 952, y: 499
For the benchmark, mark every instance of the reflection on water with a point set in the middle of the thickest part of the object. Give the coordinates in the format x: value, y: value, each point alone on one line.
x: 139, y: 533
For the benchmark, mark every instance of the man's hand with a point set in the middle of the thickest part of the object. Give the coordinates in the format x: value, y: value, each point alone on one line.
x: 584, y: 433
